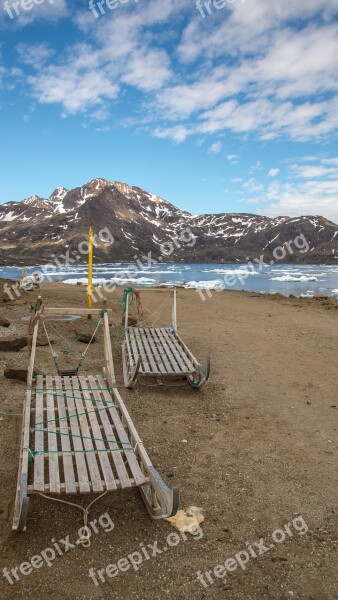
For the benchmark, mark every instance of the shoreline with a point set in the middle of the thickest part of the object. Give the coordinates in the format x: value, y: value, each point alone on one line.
x: 205, y: 294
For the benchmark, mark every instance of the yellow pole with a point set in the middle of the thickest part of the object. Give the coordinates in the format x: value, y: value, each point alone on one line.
x: 90, y: 269
x: 22, y: 273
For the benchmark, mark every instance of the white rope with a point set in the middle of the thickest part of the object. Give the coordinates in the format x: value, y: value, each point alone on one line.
x: 154, y: 313
x: 84, y: 540
x: 91, y: 339
x: 47, y: 336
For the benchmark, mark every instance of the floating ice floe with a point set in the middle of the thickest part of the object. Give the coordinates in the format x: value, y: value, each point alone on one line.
x: 240, y: 271
x: 290, y: 279
x: 145, y: 281
x: 205, y: 285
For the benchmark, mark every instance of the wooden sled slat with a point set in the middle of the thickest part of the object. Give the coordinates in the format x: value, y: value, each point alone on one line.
x: 109, y: 434
x: 80, y: 461
x: 123, y: 437
x: 54, y: 475
x: 64, y: 427
x: 39, y: 463
x: 86, y: 433
x: 98, y: 433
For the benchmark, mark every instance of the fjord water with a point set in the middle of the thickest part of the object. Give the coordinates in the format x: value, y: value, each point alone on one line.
x: 286, y: 279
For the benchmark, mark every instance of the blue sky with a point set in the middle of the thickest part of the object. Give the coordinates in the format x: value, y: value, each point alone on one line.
x: 233, y: 111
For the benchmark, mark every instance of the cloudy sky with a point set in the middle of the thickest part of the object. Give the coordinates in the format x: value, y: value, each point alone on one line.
x: 215, y: 108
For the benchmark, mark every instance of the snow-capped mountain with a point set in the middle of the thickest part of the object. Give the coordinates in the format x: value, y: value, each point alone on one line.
x: 37, y: 229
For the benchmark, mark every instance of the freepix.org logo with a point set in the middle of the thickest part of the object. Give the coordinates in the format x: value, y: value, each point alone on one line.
x: 14, y: 9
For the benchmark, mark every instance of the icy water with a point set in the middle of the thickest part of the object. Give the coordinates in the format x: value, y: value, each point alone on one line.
x: 299, y: 280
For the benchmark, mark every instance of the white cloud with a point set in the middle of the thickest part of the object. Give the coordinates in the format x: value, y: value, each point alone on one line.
x: 48, y: 10
x: 312, y: 190
x: 215, y: 148
x: 274, y: 172
x: 293, y: 201
x: 253, y: 186
x: 266, y: 69
x: 178, y: 133
x: 35, y: 55
x: 314, y: 171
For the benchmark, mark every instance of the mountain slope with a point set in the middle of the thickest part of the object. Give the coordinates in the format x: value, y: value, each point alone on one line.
x: 37, y: 229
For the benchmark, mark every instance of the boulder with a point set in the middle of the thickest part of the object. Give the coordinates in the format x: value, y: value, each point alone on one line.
x: 13, y: 344
x: 19, y: 373
x: 85, y: 338
x: 4, y: 322
x: 42, y: 341
x: 132, y: 321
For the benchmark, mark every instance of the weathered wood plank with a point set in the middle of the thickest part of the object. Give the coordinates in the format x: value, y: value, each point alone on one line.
x: 73, y: 311
x: 145, y: 366
x: 64, y: 429
x: 87, y: 438
x: 81, y: 466
x: 122, y: 435
x: 39, y: 463
x: 99, y: 434
x: 148, y: 359
x: 111, y: 443
x: 54, y: 474
x: 158, y: 350
x: 180, y: 354
x: 110, y: 373
x: 177, y: 367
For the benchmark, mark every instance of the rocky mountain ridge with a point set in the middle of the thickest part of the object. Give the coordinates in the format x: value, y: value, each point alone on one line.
x: 36, y: 229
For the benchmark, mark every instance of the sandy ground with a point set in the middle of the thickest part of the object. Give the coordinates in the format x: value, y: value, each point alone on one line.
x: 256, y: 448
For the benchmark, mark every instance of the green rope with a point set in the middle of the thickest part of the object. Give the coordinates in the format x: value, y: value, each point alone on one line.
x: 71, y: 416
x: 85, y: 437
x: 70, y: 345
x: 126, y: 293
x: 74, y: 397
x: 108, y: 389
x: 33, y: 453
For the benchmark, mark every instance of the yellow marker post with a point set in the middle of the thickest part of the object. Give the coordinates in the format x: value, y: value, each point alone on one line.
x: 22, y: 273
x: 90, y: 270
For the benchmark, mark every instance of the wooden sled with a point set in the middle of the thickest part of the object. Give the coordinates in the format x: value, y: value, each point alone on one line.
x: 77, y: 437
x: 160, y: 353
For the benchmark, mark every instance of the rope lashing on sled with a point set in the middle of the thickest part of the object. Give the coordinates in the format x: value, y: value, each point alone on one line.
x: 71, y: 346
x: 84, y: 539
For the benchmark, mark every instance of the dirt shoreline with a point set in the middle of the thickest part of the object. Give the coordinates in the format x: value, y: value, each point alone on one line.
x: 256, y: 448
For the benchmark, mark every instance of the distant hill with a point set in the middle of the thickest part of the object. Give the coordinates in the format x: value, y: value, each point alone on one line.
x: 35, y: 229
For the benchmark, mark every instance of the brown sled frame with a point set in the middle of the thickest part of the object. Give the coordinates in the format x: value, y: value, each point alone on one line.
x: 69, y: 470
x: 160, y: 353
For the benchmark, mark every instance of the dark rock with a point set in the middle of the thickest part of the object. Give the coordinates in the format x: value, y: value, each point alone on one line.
x: 19, y: 373
x: 13, y: 344
x: 85, y: 338
x: 4, y: 322
x: 42, y: 341
x: 132, y: 321
x: 16, y: 373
